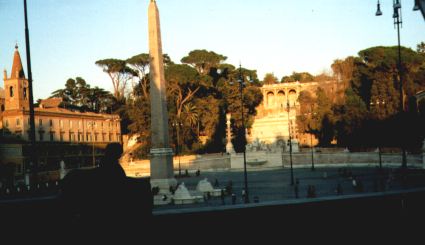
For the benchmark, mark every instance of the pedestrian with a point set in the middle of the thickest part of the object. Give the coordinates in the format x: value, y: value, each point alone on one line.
x: 243, y: 195
x: 96, y: 200
x: 216, y: 183
x: 354, y: 183
x: 229, y: 187
x: 296, y: 187
x: 311, y: 191
x: 296, y: 190
x: 222, y: 197
x: 339, y: 190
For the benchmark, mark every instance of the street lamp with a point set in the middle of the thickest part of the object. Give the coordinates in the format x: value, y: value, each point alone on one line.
x: 33, y: 154
x: 241, y: 85
x: 397, y: 22
x: 311, y: 139
x: 177, y: 124
x: 378, y: 103
x: 290, y: 141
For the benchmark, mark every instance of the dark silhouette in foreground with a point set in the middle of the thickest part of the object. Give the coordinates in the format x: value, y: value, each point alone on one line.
x: 103, y: 200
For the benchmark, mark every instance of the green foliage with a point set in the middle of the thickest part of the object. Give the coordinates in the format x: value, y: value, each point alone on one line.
x: 370, y: 114
x: 298, y: 76
x: 119, y: 73
x: 203, y: 60
x: 269, y: 78
x: 78, y: 95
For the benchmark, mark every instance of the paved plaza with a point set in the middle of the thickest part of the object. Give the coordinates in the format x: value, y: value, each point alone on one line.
x: 275, y: 184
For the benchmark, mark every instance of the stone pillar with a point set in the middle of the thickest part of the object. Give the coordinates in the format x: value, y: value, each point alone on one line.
x: 161, y: 155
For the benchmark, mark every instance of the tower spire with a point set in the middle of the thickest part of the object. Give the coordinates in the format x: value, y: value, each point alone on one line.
x: 17, y: 69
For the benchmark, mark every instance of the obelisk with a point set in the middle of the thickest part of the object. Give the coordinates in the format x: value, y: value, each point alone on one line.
x: 161, y: 155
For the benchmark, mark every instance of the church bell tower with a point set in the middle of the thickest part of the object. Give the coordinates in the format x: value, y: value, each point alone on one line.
x: 16, y: 86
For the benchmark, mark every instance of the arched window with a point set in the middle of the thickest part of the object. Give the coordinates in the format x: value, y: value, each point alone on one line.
x: 2, y: 107
x: 270, y: 100
x: 25, y: 93
x: 292, y: 97
x: 11, y: 91
x: 281, y: 100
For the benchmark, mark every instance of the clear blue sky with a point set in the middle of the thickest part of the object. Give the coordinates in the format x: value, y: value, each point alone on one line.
x: 278, y: 36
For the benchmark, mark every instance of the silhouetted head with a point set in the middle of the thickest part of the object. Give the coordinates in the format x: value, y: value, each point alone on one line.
x: 113, y: 152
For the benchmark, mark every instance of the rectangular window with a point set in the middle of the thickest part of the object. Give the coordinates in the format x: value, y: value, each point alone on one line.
x: 18, y: 122
x: 110, y: 138
x: 95, y: 137
x: 40, y: 122
x: 52, y: 136
x: 61, y: 136
x: 51, y: 122
x: 87, y: 137
x: 118, y: 138
x: 103, y: 137
x: 41, y: 135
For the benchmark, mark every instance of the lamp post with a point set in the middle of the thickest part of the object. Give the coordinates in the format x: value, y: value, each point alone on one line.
x: 241, y: 85
x: 312, y: 151
x: 290, y: 141
x: 378, y: 103
x: 311, y: 139
x: 398, y: 22
x: 177, y: 124
x: 33, y: 154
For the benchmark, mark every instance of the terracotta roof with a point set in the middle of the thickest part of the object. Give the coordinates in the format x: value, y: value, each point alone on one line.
x: 51, y: 103
x: 17, y: 69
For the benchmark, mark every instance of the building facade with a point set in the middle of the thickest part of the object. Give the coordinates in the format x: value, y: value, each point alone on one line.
x: 75, y: 138
x: 277, y: 114
x: 52, y: 123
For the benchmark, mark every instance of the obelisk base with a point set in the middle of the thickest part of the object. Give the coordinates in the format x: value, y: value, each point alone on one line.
x: 162, y: 174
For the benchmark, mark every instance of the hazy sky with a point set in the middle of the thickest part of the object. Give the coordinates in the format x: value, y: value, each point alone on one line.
x: 278, y: 36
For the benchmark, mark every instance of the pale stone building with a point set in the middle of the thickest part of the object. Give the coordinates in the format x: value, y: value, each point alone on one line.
x: 63, y: 136
x: 273, y: 123
x: 52, y: 123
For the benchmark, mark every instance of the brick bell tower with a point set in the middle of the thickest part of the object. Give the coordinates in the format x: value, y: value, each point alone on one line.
x: 16, y: 86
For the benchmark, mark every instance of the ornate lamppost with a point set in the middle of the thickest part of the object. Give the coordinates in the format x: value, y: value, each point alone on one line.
x: 398, y: 22
x: 290, y: 140
x: 177, y: 124
x: 241, y: 86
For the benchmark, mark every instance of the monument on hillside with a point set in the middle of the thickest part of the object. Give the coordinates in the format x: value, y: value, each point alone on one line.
x: 161, y: 155
x: 229, y: 145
